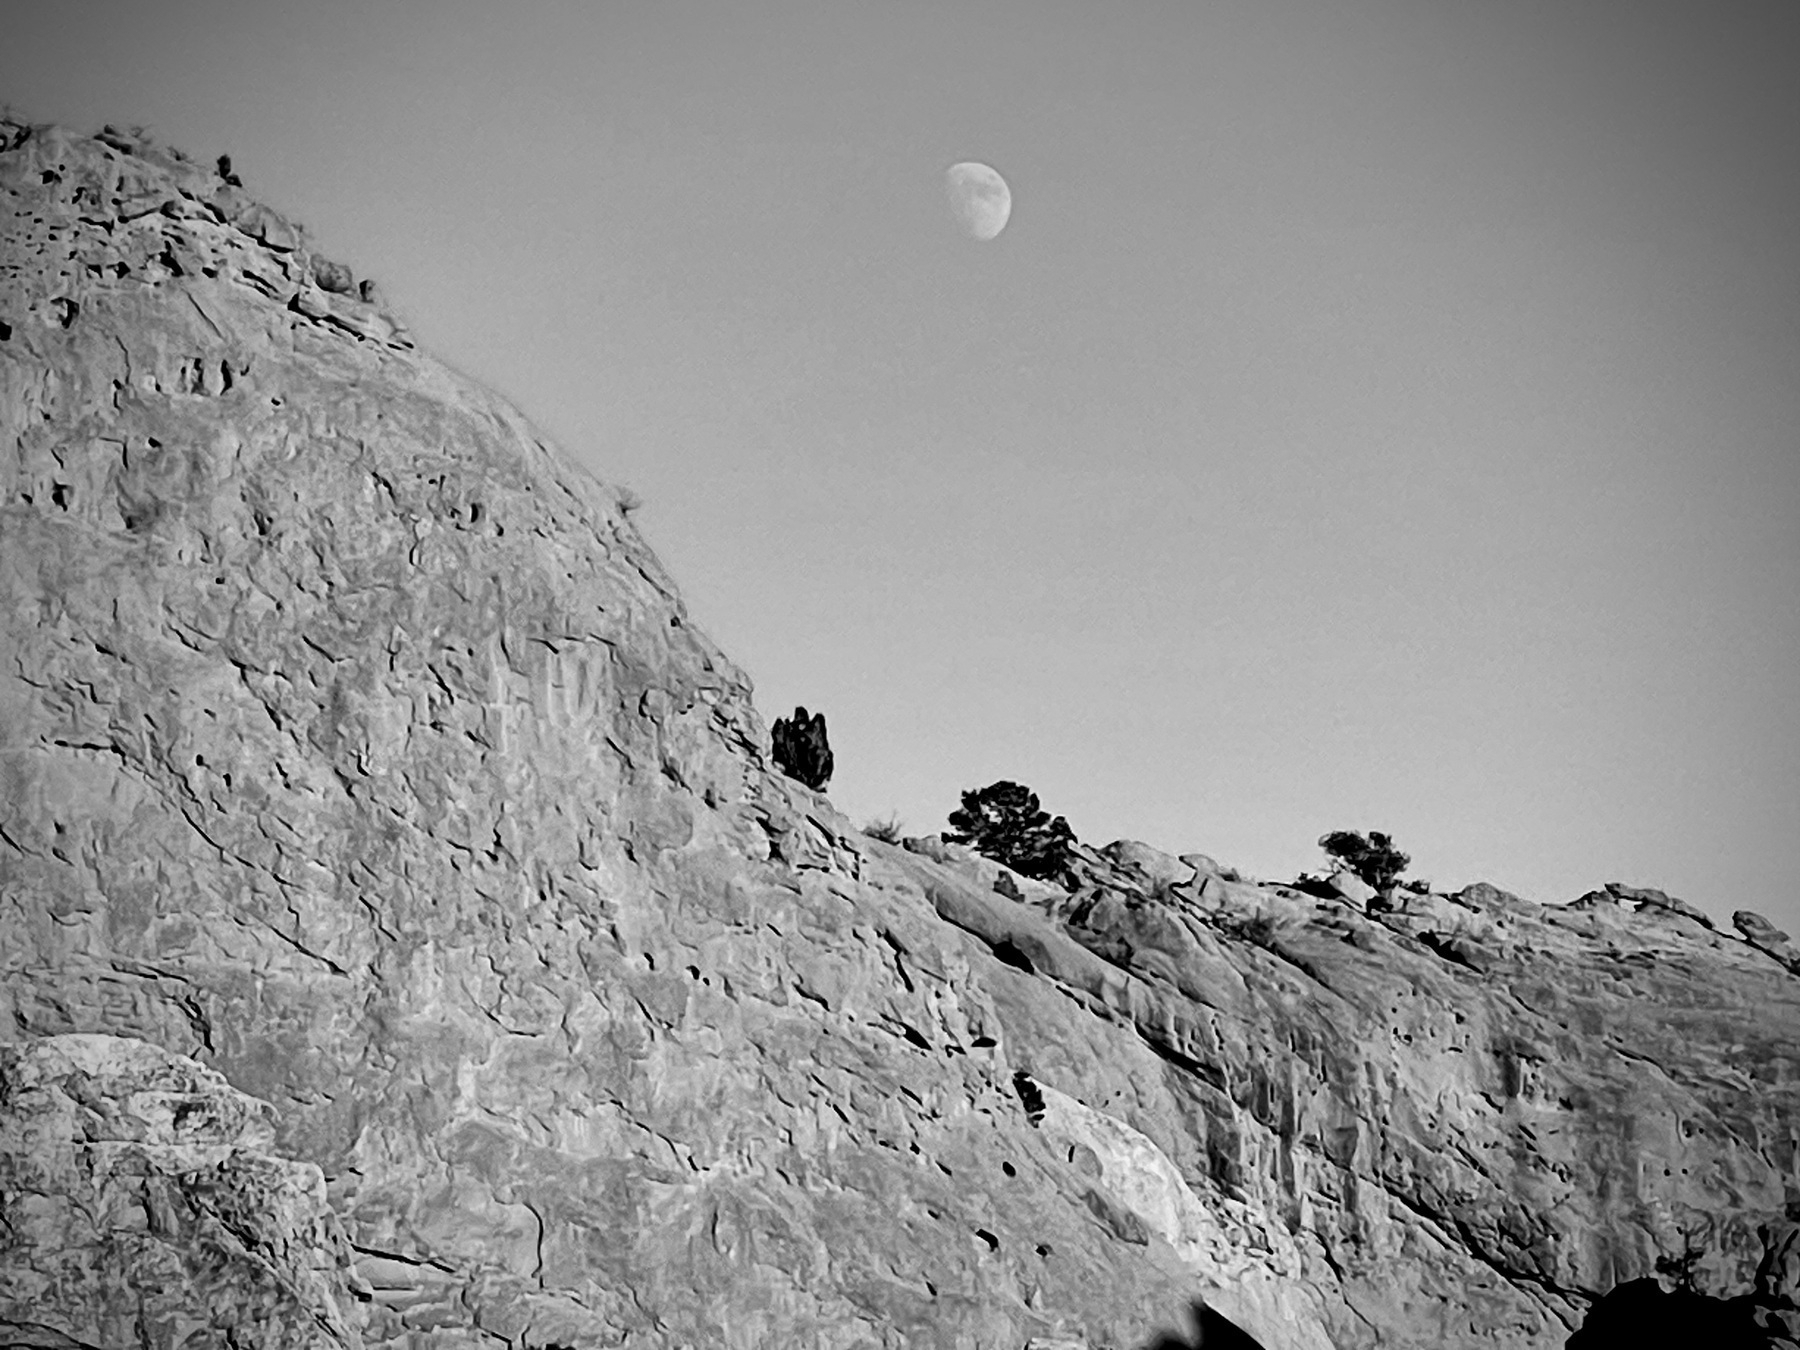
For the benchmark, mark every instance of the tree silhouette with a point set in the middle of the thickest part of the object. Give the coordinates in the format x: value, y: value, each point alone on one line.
x: 801, y: 750
x: 1003, y: 821
x: 1374, y: 859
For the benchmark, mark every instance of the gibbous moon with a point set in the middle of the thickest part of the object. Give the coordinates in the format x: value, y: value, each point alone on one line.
x: 979, y: 198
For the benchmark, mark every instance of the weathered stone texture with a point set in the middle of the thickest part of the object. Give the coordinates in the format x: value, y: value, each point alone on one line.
x: 353, y: 744
x: 141, y: 1205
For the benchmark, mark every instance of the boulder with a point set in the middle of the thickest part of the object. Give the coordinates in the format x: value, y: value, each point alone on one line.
x: 330, y: 276
x: 1487, y: 896
x: 1657, y: 901
x: 1756, y: 929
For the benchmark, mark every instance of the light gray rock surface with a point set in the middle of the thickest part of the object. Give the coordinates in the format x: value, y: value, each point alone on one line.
x: 141, y: 1205
x: 354, y: 744
x: 1352, y: 887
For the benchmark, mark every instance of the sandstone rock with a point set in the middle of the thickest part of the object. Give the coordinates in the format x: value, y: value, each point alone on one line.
x: 1353, y: 888
x: 1158, y: 868
x: 1477, y: 938
x: 1486, y: 895
x: 331, y: 276
x: 1598, y: 900
x: 1253, y: 1265
x: 1657, y: 901
x: 1756, y: 929
x: 267, y: 227
x: 984, y: 871
x: 1767, y: 938
x: 143, y: 1206
x: 354, y: 745
x: 1205, y: 865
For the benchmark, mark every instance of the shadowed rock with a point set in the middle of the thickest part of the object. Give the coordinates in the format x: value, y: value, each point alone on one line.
x: 1211, y: 1330
x: 1642, y: 1315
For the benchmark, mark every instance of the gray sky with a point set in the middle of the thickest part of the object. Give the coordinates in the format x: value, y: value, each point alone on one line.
x: 1381, y: 414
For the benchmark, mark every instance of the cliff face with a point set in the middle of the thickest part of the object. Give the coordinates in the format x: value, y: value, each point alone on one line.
x: 141, y: 1204
x: 354, y: 746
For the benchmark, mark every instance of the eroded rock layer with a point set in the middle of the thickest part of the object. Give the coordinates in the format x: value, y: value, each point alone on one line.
x: 354, y: 746
x: 141, y: 1205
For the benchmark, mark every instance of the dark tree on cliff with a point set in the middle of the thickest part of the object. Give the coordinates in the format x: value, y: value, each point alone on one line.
x: 1004, y: 822
x: 801, y: 749
x: 1374, y: 859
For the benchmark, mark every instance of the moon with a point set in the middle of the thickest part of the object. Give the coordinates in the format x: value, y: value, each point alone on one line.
x: 979, y: 198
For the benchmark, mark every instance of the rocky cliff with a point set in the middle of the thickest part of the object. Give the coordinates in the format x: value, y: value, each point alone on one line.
x: 405, y: 938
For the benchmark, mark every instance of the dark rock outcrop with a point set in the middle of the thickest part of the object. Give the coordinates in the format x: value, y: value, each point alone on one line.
x: 354, y: 746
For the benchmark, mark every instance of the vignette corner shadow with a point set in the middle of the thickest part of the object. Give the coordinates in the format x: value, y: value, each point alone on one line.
x: 1210, y: 1329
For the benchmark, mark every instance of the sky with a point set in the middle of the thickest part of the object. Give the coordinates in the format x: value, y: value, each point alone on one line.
x: 1377, y: 414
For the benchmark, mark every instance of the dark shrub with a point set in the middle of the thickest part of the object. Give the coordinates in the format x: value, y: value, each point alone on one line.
x: 801, y: 749
x: 1374, y: 859
x: 888, y: 831
x: 1003, y: 822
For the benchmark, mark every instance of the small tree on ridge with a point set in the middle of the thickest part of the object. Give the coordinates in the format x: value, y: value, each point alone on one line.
x: 1003, y: 821
x: 1374, y: 859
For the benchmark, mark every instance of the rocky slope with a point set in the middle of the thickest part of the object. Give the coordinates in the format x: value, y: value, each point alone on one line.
x: 354, y: 746
x: 141, y: 1203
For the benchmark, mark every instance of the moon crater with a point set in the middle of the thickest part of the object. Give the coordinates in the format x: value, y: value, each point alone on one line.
x: 979, y: 199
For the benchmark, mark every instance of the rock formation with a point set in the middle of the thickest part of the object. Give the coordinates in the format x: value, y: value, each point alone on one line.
x: 357, y: 758
x: 141, y: 1205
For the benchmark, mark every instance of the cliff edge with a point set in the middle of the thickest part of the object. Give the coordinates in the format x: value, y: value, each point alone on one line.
x: 356, y: 755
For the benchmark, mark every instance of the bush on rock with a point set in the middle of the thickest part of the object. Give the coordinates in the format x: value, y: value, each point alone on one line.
x: 888, y: 831
x: 801, y: 750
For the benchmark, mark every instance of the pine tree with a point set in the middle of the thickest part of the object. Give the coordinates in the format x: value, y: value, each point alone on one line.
x: 1004, y: 821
